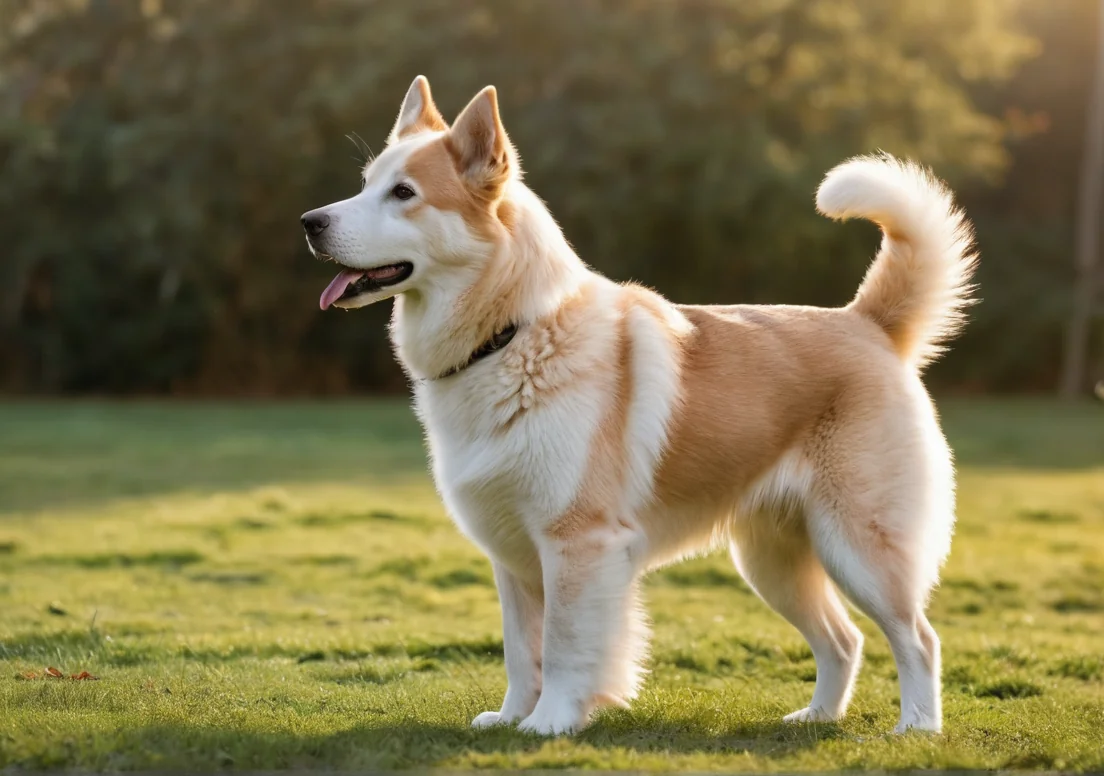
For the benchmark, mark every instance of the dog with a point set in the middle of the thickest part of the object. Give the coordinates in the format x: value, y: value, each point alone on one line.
x: 583, y: 432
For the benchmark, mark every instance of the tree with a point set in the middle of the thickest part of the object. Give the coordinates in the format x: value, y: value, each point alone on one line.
x: 1087, y: 257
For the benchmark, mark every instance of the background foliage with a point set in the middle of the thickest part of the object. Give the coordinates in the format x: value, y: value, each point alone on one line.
x: 156, y: 155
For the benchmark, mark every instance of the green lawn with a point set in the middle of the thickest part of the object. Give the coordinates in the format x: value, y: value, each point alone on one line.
x: 269, y: 586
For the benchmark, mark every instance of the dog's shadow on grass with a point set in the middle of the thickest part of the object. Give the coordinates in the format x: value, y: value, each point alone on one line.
x: 773, y: 740
x: 429, y: 744
x: 415, y: 744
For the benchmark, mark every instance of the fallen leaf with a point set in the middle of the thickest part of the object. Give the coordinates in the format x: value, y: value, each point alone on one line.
x: 54, y: 673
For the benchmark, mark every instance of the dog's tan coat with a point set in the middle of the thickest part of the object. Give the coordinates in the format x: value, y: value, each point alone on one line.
x: 801, y: 437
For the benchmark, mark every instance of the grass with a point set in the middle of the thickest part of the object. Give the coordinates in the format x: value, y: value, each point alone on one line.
x: 276, y: 586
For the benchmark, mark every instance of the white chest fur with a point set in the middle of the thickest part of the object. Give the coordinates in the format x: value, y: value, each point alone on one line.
x: 506, y: 475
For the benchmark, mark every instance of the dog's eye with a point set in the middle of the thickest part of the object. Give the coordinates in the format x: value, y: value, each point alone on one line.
x: 402, y: 191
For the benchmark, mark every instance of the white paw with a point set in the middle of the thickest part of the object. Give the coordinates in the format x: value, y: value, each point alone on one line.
x: 488, y: 719
x: 809, y: 714
x: 554, y: 718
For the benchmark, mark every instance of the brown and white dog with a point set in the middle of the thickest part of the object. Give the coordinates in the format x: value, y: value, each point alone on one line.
x: 583, y: 432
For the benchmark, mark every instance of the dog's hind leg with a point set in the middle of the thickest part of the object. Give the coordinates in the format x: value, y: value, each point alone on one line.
x: 878, y: 582
x: 880, y: 518
x: 880, y: 524
x: 778, y: 562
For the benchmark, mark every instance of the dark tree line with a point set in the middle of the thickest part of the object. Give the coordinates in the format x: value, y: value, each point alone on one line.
x: 156, y: 155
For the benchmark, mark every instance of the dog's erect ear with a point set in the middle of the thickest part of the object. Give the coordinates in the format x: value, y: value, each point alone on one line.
x: 479, y: 144
x: 418, y: 113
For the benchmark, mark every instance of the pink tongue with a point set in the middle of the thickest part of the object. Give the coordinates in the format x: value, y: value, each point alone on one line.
x: 338, y: 285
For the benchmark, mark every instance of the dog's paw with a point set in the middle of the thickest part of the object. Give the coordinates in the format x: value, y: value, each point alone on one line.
x: 553, y: 719
x: 488, y: 719
x: 808, y: 714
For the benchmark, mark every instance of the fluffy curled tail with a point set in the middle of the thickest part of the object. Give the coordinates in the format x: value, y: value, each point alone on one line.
x: 919, y: 284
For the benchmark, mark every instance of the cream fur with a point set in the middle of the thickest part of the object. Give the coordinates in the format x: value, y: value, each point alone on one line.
x: 619, y: 432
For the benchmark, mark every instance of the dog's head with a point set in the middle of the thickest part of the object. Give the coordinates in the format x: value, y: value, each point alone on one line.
x: 431, y: 209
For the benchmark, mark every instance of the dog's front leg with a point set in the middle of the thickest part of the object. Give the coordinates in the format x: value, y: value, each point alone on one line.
x: 592, y: 630
x: 522, y: 613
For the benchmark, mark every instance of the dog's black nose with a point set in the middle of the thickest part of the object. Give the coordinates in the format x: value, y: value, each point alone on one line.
x: 315, y: 223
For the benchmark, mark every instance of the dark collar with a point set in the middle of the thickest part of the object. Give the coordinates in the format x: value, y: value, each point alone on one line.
x: 498, y: 341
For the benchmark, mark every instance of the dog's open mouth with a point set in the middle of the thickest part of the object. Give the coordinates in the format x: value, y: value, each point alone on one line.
x: 354, y: 282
